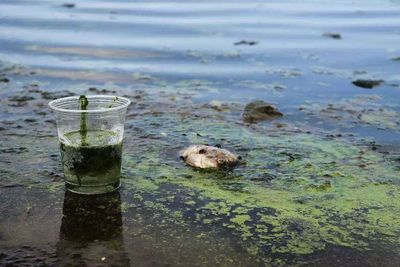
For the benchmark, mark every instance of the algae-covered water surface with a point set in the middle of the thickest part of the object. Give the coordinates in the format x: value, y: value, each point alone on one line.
x: 318, y: 183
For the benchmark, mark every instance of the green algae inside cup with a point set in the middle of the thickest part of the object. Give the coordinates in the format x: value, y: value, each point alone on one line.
x: 94, y: 166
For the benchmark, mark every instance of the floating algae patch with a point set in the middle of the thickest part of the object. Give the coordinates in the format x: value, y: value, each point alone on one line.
x: 295, y: 194
x: 362, y: 110
x: 168, y: 231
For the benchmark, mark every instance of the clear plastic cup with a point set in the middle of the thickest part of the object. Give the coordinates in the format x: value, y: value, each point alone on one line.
x: 91, y: 131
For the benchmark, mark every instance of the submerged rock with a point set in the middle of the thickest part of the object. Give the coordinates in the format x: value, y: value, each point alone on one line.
x: 259, y: 110
x: 367, y: 83
x: 333, y: 35
x: 208, y: 157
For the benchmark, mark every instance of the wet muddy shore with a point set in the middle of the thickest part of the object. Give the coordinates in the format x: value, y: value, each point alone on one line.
x: 317, y: 184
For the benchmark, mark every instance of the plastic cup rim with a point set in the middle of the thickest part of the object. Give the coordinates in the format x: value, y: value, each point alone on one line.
x: 102, y: 110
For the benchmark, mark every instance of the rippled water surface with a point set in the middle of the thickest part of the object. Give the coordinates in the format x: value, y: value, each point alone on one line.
x: 318, y: 186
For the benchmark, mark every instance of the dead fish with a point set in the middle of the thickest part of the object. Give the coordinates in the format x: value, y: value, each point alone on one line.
x: 208, y: 157
x: 259, y: 110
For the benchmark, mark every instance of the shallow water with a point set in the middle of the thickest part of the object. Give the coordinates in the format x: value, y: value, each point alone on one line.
x: 318, y: 186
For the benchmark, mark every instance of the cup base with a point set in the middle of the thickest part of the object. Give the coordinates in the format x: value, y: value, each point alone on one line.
x: 92, y: 190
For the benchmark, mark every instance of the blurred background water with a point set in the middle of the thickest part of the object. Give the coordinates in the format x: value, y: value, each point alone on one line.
x: 197, y: 39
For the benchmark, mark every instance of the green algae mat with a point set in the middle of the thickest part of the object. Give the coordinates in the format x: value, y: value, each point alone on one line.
x: 300, y: 195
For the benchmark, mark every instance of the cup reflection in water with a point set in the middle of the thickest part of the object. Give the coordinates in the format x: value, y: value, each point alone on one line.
x: 91, y: 231
x: 90, y: 130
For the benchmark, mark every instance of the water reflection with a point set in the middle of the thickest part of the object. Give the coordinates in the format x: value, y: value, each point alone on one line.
x: 91, y: 231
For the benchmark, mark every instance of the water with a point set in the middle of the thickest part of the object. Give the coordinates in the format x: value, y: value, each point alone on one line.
x: 94, y: 167
x: 318, y: 186
x: 101, y: 211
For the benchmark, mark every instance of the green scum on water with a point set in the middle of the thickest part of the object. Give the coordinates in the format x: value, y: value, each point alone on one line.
x: 296, y: 194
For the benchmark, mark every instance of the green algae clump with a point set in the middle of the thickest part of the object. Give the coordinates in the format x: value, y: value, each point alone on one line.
x: 83, y: 102
x: 96, y: 163
x: 297, y: 193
